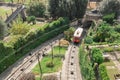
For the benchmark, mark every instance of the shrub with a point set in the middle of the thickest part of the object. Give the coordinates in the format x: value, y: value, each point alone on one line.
x: 88, y: 40
x: 69, y: 33
x: 103, y: 33
x: 108, y: 49
x: 50, y: 64
x: 85, y: 65
x: 103, y: 72
x: 5, y: 49
x: 117, y: 28
x: 31, y: 19
x: 46, y: 28
x: 109, y: 18
x: 50, y: 77
x: 16, y: 41
x: 30, y: 35
x: 97, y: 56
x: 19, y: 28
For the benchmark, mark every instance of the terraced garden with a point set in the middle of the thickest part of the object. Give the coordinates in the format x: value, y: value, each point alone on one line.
x: 57, y: 61
x: 5, y: 10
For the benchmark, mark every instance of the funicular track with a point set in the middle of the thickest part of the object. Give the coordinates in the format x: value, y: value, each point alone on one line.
x: 72, y: 68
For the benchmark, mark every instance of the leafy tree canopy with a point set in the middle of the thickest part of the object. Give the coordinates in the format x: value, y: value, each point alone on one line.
x: 19, y: 28
x: 109, y: 7
x: 36, y: 9
x: 97, y: 56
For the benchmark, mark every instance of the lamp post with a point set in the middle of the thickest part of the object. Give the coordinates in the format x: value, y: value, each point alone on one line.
x: 39, y: 67
x: 59, y: 46
x: 52, y: 51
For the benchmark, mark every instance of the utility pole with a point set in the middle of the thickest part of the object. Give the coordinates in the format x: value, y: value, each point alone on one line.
x: 59, y: 46
x: 52, y: 51
x: 39, y: 67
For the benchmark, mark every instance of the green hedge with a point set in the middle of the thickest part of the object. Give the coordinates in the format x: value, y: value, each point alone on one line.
x: 34, y: 34
x: 12, y: 58
x: 5, y: 50
x: 85, y: 65
x: 97, y: 56
x: 88, y: 40
x: 109, y: 18
x: 18, y: 41
x: 103, y: 72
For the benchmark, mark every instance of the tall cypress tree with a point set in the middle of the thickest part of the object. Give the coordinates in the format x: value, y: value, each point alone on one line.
x: 67, y: 8
x: 81, y: 6
x: 54, y: 8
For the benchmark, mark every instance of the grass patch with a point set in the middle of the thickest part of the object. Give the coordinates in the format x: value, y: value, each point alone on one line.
x: 109, y: 63
x: 37, y: 26
x: 57, y: 66
x: 37, y: 78
x: 111, y: 73
x: 4, y: 10
x: 57, y: 62
x: 56, y: 50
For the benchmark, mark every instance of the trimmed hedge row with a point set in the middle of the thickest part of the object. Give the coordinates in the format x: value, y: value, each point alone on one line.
x: 5, y: 50
x: 9, y: 60
x: 97, y: 56
x: 103, y: 72
x: 85, y: 65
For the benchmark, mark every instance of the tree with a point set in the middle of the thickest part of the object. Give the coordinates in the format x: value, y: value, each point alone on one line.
x: 54, y: 8
x: 81, y: 6
x: 67, y: 8
x: 97, y: 56
x: 5, y: 49
x: 117, y: 28
x: 109, y: 18
x: 88, y: 40
x: 69, y: 33
x: 31, y: 19
x: 103, y: 32
x: 85, y: 65
x: 36, y: 9
x: 19, y: 28
x: 3, y: 29
x: 109, y: 7
x: 103, y: 72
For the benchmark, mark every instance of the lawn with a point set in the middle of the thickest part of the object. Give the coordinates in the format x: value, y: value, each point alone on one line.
x: 57, y: 62
x: 112, y: 72
x: 4, y: 10
x: 57, y: 66
x: 38, y: 25
x: 109, y: 63
x: 56, y: 50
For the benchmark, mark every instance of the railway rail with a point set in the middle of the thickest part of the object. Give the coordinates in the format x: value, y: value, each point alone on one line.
x: 72, y: 67
x: 30, y: 59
